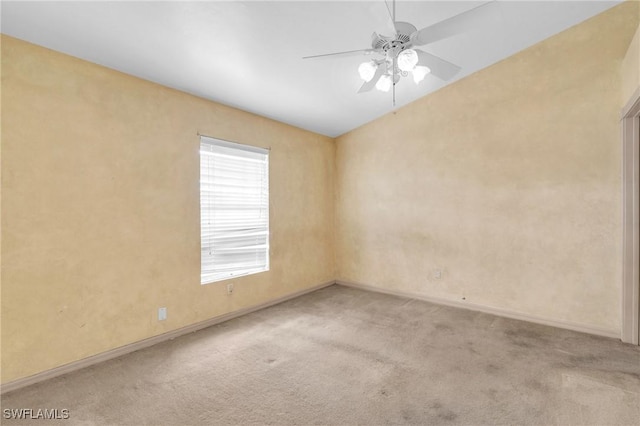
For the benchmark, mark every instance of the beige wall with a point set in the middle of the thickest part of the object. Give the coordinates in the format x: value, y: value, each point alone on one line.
x: 631, y: 69
x: 508, y: 180
x: 100, y: 215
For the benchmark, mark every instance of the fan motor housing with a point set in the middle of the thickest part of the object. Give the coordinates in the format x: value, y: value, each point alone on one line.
x: 399, y: 42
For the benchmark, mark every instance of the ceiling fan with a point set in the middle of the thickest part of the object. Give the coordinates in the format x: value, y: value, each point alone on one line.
x: 396, y: 55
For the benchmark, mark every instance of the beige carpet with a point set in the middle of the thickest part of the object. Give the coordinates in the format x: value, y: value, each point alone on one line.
x: 341, y: 356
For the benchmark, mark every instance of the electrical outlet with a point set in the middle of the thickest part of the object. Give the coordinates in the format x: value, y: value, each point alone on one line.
x: 162, y: 314
x: 437, y: 274
x: 230, y: 288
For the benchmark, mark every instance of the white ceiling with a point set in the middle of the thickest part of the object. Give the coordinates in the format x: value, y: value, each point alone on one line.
x: 249, y: 54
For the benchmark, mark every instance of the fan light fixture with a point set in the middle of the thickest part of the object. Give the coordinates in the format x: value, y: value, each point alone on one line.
x: 367, y: 70
x: 402, y: 62
x: 419, y: 73
x: 407, y: 60
x: 384, y: 83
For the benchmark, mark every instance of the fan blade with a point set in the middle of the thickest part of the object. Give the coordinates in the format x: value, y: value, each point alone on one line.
x: 438, y: 66
x: 347, y: 53
x: 368, y: 85
x: 456, y: 24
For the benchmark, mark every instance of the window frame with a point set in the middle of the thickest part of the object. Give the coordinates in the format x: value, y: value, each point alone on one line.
x: 262, y: 208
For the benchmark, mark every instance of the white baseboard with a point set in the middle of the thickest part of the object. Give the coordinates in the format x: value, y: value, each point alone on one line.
x: 132, y: 347
x: 584, y: 328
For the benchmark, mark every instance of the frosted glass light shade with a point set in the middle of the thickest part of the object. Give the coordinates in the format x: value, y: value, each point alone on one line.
x: 367, y: 70
x: 384, y: 84
x: 407, y: 60
x: 419, y: 73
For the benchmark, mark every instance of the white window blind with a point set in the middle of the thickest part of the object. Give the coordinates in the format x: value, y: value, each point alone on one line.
x: 234, y: 209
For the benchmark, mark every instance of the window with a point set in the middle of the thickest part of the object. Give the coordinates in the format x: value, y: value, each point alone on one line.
x: 234, y: 210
